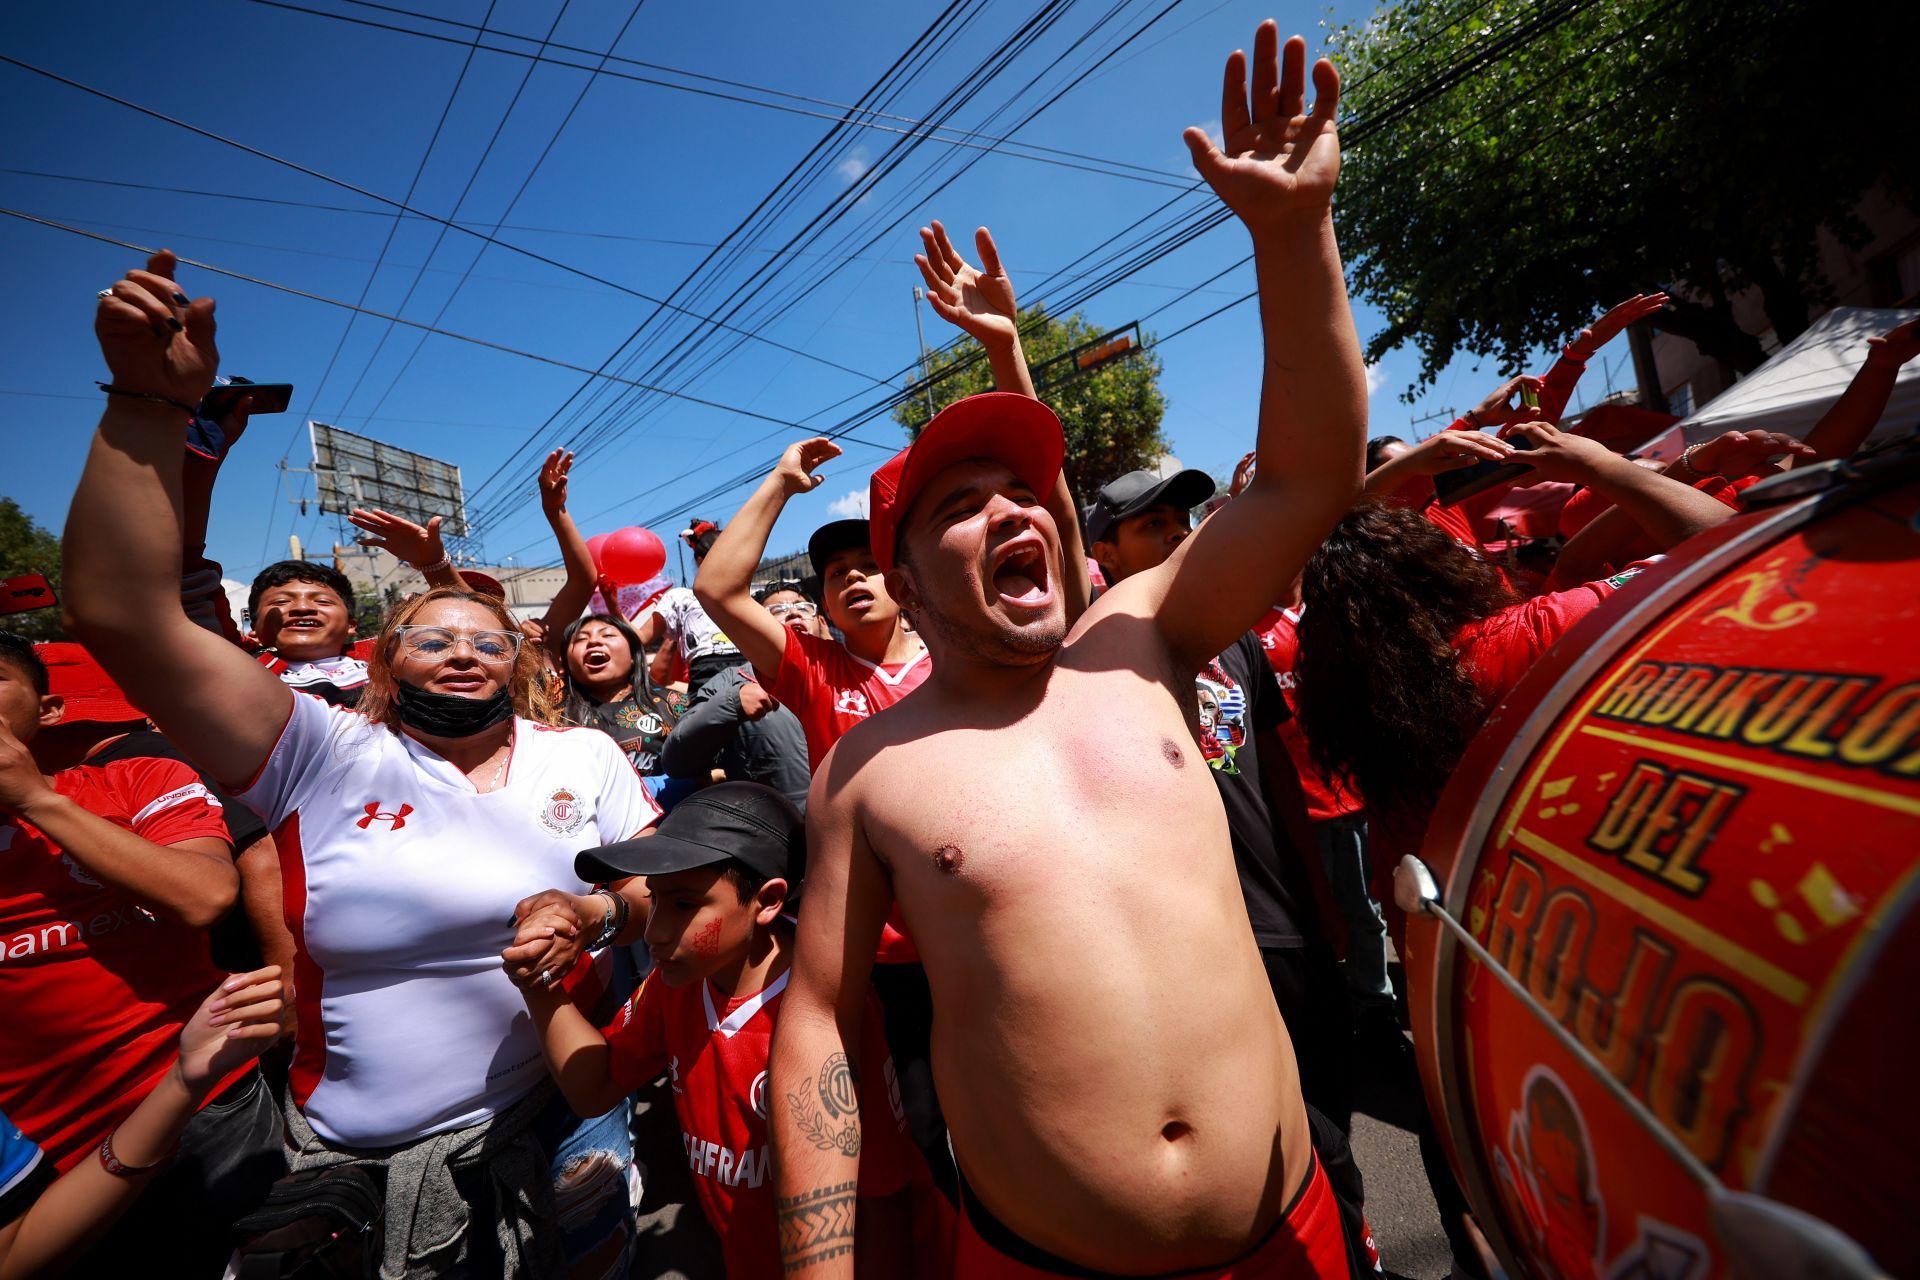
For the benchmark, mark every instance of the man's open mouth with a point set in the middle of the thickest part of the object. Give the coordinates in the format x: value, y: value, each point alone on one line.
x: 1020, y: 573
x: 857, y: 598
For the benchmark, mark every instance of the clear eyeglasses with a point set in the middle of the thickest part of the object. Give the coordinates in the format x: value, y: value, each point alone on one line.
x: 491, y: 648
x: 801, y: 608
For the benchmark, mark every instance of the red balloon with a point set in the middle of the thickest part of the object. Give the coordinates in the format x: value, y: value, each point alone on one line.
x: 594, y: 544
x: 632, y: 556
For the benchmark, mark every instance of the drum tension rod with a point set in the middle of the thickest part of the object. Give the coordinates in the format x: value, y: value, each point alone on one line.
x: 1762, y: 1237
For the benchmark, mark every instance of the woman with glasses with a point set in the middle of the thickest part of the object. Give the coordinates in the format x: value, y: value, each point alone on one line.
x: 413, y: 835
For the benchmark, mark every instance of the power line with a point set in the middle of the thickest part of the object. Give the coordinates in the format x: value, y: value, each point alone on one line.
x: 400, y: 320
x: 868, y: 119
x: 403, y: 206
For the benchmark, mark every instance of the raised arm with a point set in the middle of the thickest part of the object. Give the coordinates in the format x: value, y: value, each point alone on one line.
x: 980, y: 302
x: 1846, y: 426
x: 725, y: 581
x: 815, y: 1133
x: 232, y: 1025
x: 1668, y: 511
x: 1444, y: 451
x: 121, y: 549
x: 1556, y: 389
x: 571, y: 599
x: 1277, y: 173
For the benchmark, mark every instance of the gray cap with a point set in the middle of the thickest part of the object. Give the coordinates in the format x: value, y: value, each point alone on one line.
x: 1136, y: 491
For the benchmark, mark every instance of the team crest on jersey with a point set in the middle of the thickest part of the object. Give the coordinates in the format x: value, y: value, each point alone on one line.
x: 564, y: 813
x: 758, y: 1095
x: 851, y: 702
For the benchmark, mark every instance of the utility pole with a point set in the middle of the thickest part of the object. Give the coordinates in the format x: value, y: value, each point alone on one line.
x: 1646, y: 370
x: 926, y: 372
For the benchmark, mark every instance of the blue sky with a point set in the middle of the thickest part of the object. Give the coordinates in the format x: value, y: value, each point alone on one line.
x: 634, y: 189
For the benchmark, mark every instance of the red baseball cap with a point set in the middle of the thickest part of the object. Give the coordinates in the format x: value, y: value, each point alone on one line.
x: 1015, y: 429
x: 485, y: 584
x: 90, y: 693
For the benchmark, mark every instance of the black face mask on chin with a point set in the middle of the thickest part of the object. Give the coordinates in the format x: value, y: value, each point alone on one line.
x: 446, y: 715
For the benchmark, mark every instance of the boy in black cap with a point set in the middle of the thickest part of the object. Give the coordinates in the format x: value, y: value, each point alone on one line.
x: 721, y: 869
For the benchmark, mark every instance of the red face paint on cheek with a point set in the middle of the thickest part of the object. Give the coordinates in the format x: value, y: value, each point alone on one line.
x: 707, y: 941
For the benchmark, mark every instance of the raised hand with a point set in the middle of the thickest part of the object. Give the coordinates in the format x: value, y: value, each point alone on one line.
x: 553, y: 481
x: 1557, y: 454
x: 1735, y: 454
x: 1498, y: 409
x: 230, y: 1028
x: 1614, y: 323
x: 153, y: 338
x: 1452, y: 450
x: 978, y: 300
x: 1279, y: 162
x: 1242, y: 473
x: 801, y: 460
x: 1898, y: 344
x: 400, y: 537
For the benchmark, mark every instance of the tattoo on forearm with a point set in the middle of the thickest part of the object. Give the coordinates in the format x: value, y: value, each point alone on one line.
x: 816, y: 1225
x: 833, y: 1122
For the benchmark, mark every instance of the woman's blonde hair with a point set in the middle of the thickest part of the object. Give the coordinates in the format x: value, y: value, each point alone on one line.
x: 526, y: 685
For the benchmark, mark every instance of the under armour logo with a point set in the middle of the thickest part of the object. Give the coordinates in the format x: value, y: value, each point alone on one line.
x: 851, y: 702
x: 374, y: 815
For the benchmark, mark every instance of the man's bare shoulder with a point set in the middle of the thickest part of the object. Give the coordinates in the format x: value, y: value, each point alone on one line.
x: 1123, y: 623
x: 903, y: 723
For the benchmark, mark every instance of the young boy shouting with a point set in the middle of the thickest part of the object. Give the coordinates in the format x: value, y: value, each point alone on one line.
x: 721, y: 870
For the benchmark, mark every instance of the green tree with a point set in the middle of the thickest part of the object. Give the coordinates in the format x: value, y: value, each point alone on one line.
x: 27, y: 548
x: 1514, y: 167
x: 1112, y: 415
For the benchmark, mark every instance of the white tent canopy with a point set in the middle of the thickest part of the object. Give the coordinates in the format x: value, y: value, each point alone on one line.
x: 1789, y: 392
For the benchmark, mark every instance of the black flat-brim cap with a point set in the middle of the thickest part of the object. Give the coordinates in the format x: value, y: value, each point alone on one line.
x: 744, y: 822
x: 1136, y: 491
x: 837, y: 535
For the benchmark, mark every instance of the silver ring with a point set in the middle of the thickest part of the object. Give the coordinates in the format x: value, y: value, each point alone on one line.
x: 104, y: 293
x: 546, y: 977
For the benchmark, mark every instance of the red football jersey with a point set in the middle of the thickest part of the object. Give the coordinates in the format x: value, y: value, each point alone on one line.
x: 1497, y: 651
x: 1280, y: 638
x: 93, y: 988
x: 714, y: 1052
x: 831, y: 691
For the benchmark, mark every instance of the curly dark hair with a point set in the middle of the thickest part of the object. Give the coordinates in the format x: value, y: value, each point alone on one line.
x: 1382, y: 694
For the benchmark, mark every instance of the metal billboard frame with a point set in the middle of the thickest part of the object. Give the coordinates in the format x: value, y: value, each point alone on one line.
x: 351, y: 470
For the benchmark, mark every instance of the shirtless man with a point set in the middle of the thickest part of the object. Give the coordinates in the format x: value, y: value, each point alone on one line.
x: 1117, y: 1079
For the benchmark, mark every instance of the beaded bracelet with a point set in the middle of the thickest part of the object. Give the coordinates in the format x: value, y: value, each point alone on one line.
x: 115, y: 1166
x: 131, y: 394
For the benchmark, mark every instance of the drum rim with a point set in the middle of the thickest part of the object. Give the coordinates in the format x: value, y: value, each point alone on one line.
x: 1766, y: 527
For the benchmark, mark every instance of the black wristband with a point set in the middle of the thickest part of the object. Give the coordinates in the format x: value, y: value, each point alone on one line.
x: 131, y: 394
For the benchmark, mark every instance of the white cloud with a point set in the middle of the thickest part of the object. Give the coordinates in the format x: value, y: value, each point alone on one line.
x: 1376, y: 378
x: 852, y: 506
x: 854, y: 167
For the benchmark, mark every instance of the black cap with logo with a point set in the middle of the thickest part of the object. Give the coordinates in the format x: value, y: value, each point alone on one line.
x: 748, y: 823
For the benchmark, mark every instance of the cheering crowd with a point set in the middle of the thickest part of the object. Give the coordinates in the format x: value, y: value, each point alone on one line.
x: 1003, y: 901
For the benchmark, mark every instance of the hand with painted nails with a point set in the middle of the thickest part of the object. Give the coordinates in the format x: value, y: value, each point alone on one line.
x: 155, y: 340
x: 1277, y: 161
x: 978, y: 300
x: 229, y: 1029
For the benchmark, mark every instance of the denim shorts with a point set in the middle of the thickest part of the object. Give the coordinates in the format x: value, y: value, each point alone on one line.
x: 596, y: 1187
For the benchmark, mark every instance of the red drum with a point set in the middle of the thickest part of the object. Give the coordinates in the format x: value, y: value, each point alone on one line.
x: 1692, y: 836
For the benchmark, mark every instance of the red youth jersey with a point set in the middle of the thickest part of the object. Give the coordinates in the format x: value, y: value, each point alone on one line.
x: 94, y: 988
x: 714, y: 1051
x: 1498, y: 650
x: 1280, y: 638
x: 831, y: 690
